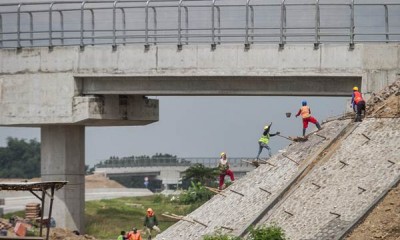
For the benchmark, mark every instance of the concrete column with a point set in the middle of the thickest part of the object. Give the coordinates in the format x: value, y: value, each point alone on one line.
x: 63, y: 159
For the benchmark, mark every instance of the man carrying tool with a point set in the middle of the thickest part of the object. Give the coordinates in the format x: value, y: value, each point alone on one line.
x: 264, y: 140
x: 358, y: 102
x: 305, y: 113
x: 223, y: 167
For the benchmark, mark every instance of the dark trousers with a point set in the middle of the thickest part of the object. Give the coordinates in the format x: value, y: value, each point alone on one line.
x: 360, y: 109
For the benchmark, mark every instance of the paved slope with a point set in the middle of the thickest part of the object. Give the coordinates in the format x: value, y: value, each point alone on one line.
x: 334, y: 195
x: 236, y: 211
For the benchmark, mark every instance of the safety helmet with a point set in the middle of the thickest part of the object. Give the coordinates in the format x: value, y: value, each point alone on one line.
x: 266, y: 127
x: 222, y: 154
x: 304, y: 103
x: 355, y: 88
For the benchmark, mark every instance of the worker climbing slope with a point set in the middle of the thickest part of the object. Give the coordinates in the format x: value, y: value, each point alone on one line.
x: 305, y: 113
x: 358, y: 104
x: 223, y: 167
x: 264, y: 140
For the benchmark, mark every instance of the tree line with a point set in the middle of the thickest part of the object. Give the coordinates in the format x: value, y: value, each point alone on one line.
x: 20, y: 159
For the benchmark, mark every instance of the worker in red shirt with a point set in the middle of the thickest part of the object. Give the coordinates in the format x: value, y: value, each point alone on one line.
x: 358, y: 104
x: 305, y: 113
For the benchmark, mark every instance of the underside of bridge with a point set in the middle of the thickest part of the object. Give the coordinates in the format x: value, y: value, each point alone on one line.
x: 220, y: 85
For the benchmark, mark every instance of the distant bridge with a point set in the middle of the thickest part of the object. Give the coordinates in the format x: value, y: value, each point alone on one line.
x: 169, y: 172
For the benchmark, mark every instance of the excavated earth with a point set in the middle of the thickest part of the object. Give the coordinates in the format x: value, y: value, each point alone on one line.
x: 342, y: 182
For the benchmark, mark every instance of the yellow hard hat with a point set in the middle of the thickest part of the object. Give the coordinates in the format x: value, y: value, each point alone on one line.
x: 223, y: 153
x: 355, y: 88
x: 266, y: 127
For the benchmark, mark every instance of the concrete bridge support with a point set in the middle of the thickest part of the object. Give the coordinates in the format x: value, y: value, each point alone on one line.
x: 63, y: 159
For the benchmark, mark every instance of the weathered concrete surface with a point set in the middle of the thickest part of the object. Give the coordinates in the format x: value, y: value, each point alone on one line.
x: 344, y: 190
x: 323, y: 204
x: 236, y: 211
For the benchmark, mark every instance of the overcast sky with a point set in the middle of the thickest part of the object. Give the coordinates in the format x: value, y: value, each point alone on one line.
x: 201, y: 127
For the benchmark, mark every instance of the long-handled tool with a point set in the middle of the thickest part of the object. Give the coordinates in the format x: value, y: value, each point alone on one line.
x: 285, y: 137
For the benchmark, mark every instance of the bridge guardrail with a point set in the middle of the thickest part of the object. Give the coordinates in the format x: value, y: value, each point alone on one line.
x: 169, y: 162
x: 182, y: 22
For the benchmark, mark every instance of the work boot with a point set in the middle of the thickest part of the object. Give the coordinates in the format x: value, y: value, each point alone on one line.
x: 304, y: 132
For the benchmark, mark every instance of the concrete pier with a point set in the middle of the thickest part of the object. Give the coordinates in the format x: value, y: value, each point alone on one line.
x: 63, y: 159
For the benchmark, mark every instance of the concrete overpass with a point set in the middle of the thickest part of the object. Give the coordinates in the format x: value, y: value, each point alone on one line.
x: 170, y: 174
x: 63, y: 77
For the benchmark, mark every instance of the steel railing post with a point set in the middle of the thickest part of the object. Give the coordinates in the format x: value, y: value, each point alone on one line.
x: 283, y: 25
x: 93, y: 25
x: 124, y: 24
x: 31, y: 28
x: 219, y: 23
x: 155, y: 24
x: 246, y: 39
x: 19, y: 26
x: 114, y: 44
x: 187, y: 23
x: 146, y: 38
x: 1, y: 31
x: 51, y: 25
x: 62, y: 26
x: 213, y: 45
x: 179, y: 24
x: 252, y: 23
x: 351, y: 45
x: 386, y: 22
x: 317, y: 25
x: 82, y: 24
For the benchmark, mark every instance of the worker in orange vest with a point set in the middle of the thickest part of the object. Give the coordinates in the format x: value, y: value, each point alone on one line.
x: 358, y: 104
x: 134, y: 235
x: 305, y: 113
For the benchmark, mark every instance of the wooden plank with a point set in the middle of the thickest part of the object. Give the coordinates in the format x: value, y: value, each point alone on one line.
x: 214, y: 190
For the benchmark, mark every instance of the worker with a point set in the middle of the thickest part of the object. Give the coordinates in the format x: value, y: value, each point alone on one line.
x: 122, y: 236
x: 264, y: 140
x: 150, y: 222
x: 223, y: 167
x: 305, y: 113
x: 134, y: 235
x: 358, y: 104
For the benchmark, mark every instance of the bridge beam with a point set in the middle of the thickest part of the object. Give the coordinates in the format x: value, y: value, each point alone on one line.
x: 222, y: 85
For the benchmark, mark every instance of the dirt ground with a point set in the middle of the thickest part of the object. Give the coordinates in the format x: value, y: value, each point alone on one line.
x: 384, y: 221
x: 91, y: 181
x: 99, y: 181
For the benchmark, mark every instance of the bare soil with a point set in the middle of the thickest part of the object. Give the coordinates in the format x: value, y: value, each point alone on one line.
x: 383, y: 222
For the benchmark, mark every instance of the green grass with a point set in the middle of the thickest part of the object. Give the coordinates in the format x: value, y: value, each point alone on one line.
x: 105, y: 219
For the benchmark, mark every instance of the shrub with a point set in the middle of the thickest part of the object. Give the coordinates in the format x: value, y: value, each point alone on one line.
x: 195, y: 194
x: 220, y: 236
x: 267, y: 233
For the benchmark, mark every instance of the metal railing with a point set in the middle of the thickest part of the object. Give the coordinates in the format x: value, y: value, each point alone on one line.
x: 182, y: 22
x: 170, y: 162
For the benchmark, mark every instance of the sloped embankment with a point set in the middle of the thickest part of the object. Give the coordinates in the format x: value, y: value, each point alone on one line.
x: 319, y: 189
